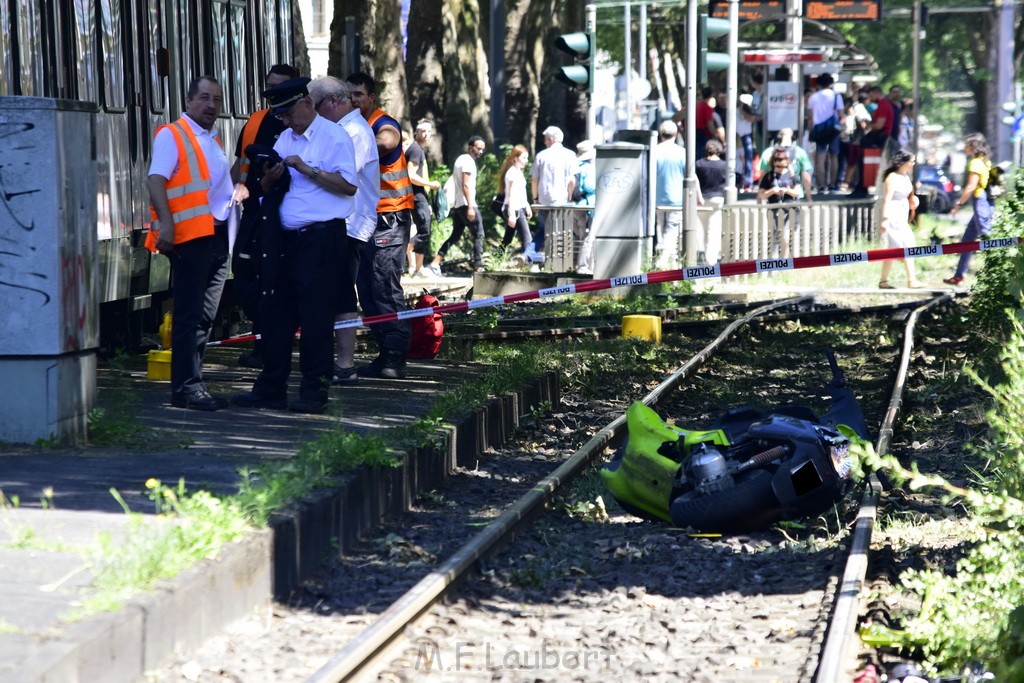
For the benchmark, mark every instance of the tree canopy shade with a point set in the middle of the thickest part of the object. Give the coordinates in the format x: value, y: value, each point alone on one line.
x: 444, y: 74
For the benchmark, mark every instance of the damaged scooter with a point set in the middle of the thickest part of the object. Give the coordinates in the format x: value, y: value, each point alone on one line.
x: 750, y: 469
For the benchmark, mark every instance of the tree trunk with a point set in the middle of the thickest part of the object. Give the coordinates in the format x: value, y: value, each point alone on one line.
x: 448, y: 68
x: 425, y: 68
x: 380, y: 52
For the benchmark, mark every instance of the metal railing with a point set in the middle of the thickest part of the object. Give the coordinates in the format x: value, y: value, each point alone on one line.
x: 749, y: 231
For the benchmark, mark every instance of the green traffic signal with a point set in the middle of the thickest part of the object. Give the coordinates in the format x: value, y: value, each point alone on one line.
x: 710, y: 27
x: 581, y: 47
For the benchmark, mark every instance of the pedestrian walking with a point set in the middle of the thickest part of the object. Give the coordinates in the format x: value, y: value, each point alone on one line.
x: 552, y: 180
x: 465, y: 210
x: 670, y: 173
x: 515, y: 208
x: 419, y: 174
x: 898, y: 202
x: 976, y: 191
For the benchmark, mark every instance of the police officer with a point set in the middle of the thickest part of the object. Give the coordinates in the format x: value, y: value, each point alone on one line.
x: 379, y: 281
x: 305, y: 231
x: 191, y: 195
x: 262, y: 128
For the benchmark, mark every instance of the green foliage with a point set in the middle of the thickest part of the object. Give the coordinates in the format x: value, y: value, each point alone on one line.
x: 275, y: 484
x: 964, y: 616
x: 998, y: 286
x: 191, y: 527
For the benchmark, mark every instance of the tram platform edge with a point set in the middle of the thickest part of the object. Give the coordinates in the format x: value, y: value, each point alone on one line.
x: 64, y: 503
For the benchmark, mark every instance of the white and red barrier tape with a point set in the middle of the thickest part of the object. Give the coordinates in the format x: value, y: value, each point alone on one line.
x: 691, y: 273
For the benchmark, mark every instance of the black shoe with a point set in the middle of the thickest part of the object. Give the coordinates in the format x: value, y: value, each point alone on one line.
x: 251, y: 399
x: 394, y: 366
x: 253, y: 359
x: 373, y: 369
x: 196, y: 399
x: 308, y: 405
x: 345, y: 376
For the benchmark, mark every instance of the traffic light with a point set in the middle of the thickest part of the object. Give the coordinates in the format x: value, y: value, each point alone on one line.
x: 710, y: 27
x: 581, y: 47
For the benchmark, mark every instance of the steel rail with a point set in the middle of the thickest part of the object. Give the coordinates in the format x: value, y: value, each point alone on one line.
x: 839, y: 638
x: 357, y: 654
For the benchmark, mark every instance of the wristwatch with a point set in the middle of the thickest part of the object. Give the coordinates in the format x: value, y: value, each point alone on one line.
x: 316, y: 172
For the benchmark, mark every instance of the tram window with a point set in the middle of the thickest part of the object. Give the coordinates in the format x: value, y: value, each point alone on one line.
x: 188, y: 43
x: 113, y: 54
x: 284, y: 32
x: 239, y: 74
x: 7, y: 65
x: 30, y: 55
x: 221, y: 66
x: 156, y: 37
x: 270, y: 30
x: 85, y: 50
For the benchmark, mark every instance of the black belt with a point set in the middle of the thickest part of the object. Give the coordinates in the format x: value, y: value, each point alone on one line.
x: 313, y: 227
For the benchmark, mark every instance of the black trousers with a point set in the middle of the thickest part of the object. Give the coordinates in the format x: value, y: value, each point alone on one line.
x: 304, y: 295
x: 460, y: 221
x: 379, y: 280
x: 199, y: 268
x: 421, y: 217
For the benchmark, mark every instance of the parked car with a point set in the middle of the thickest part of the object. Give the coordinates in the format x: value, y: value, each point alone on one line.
x: 944, y: 196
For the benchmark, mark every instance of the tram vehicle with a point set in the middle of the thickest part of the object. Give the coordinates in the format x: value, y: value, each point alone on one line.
x: 133, y: 60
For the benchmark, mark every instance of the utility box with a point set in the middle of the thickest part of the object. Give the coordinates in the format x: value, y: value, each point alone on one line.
x: 624, y: 211
x: 49, y: 322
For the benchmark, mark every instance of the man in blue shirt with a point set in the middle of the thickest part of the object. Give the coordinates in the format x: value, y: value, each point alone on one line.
x: 671, y: 161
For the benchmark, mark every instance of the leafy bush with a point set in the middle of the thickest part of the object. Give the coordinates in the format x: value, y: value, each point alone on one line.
x: 965, y: 615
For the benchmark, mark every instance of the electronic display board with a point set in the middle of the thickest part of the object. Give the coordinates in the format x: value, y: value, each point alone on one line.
x: 843, y: 10
x: 751, y: 10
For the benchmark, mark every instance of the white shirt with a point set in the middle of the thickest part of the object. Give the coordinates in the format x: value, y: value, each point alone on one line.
x: 515, y: 190
x: 363, y: 221
x: 165, y: 163
x: 553, y: 168
x: 327, y: 147
x: 464, y: 164
x: 823, y: 104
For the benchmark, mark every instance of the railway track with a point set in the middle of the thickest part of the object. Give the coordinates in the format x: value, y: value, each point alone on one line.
x: 630, y: 598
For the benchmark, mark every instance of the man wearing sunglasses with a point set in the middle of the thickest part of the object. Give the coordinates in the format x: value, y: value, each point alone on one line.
x: 262, y: 128
x: 299, y: 281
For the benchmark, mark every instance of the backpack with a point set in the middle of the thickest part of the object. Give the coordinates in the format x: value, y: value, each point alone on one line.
x: 577, y: 190
x: 825, y: 132
x: 426, y: 330
x: 996, y: 186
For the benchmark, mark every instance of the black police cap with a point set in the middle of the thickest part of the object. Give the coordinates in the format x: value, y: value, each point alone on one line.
x: 283, y: 95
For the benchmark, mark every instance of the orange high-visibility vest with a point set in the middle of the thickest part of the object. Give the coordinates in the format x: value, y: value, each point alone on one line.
x: 395, y: 184
x: 252, y: 126
x: 187, y: 190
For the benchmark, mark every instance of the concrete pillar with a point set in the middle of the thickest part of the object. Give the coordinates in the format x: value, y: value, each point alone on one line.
x: 49, y: 320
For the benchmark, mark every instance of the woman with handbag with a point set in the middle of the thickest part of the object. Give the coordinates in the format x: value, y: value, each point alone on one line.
x: 515, y: 207
x: 976, y: 191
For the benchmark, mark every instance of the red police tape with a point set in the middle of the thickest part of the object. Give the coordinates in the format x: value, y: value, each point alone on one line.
x: 691, y: 273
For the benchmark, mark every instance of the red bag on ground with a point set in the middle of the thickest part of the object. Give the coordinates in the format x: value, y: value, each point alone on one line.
x: 426, y: 330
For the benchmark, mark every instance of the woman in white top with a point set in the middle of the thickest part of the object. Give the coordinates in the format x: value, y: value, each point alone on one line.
x: 516, y: 208
x: 898, y: 200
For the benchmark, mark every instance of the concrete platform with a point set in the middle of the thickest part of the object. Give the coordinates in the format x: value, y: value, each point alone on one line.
x: 64, y: 504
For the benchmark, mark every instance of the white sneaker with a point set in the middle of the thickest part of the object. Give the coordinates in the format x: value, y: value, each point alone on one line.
x: 420, y: 274
x: 432, y: 271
